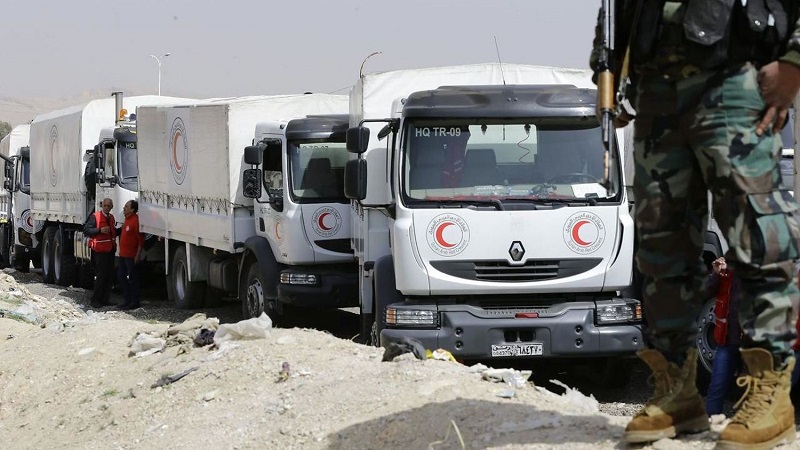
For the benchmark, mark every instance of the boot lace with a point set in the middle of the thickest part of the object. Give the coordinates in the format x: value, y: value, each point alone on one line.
x: 756, y: 399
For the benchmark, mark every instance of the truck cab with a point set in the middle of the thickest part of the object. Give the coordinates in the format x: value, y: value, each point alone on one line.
x: 302, y: 242
x: 20, y: 234
x: 509, y: 229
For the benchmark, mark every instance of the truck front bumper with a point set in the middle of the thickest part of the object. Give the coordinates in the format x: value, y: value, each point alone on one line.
x: 572, y: 334
x: 334, y: 287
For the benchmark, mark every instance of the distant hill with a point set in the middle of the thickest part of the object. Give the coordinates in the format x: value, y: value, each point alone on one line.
x: 17, y: 111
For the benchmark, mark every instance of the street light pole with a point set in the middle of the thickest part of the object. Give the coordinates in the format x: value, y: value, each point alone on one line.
x: 158, y: 60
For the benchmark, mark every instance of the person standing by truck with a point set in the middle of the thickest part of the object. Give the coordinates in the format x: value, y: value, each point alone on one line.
x: 711, y: 84
x: 100, y: 227
x: 131, y: 244
x: 722, y: 284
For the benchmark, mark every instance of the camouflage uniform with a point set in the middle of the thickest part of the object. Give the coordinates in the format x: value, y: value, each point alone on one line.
x: 695, y: 132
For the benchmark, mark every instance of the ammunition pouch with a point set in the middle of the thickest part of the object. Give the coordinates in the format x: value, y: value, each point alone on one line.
x: 718, y: 32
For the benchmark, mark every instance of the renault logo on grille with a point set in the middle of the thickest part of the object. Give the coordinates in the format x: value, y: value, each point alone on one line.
x: 517, y: 251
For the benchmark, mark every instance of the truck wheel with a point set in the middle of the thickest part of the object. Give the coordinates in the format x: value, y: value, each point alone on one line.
x: 187, y: 294
x: 64, y: 269
x: 7, y: 241
x: 706, y: 345
x: 253, y: 295
x: 48, y: 245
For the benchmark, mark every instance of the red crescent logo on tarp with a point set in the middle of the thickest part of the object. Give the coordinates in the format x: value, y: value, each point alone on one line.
x: 321, y: 221
x: 178, y: 135
x: 584, y: 232
x: 576, y: 233
x: 179, y: 151
x: 440, y: 232
x: 448, y: 234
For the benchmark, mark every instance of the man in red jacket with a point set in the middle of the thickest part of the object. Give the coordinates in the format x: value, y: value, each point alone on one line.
x: 101, y: 229
x: 130, y: 254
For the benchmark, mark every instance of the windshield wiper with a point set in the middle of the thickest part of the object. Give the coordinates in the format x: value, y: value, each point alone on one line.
x: 443, y: 203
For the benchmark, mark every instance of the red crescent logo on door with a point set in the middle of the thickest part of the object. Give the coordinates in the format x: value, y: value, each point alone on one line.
x: 321, y: 221
x: 584, y: 232
x: 326, y: 221
x: 576, y: 233
x: 440, y: 235
x: 448, y: 234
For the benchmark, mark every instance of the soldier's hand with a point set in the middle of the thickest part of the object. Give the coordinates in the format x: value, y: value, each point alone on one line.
x: 779, y: 82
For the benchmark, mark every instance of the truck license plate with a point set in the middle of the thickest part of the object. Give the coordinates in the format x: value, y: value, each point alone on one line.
x: 502, y: 350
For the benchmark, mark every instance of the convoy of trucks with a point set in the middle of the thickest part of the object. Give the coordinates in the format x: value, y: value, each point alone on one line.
x: 483, y: 221
x: 246, y: 197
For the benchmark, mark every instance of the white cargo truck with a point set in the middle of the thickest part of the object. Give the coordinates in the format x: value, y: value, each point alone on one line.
x: 20, y: 234
x: 203, y: 165
x: 80, y: 155
x: 483, y: 223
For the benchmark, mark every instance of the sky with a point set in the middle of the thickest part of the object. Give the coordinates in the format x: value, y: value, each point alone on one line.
x: 64, y: 49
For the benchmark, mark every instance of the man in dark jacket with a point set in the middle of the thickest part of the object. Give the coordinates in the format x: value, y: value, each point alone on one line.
x: 100, y: 227
x: 711, y: 84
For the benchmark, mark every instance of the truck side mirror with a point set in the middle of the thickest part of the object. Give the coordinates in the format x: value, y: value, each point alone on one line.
x: 253, y: 155
x: 251, y: 183
x: 357, y: 139
x: 355, y: 179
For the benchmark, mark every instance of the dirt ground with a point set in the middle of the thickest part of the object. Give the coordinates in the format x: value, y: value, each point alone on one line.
x: 67, y: 380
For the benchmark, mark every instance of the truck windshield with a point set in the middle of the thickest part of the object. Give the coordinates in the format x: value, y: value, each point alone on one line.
x: 128, y: 168
x: 521, y: 160
x: 317, y: 171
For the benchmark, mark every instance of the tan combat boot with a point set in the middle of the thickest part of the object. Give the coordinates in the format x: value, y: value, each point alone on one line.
x: 766, y: 416
x: 676, y: 406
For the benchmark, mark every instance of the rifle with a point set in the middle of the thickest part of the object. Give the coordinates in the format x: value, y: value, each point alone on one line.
x: 606, y: 105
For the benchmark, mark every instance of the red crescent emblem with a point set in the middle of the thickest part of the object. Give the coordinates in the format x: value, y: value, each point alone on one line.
x: 321, y: 221
x: 178, y: 166
x: 29, y: 221
x: 277, y: 233
x: 576, y: 237
x: 439, y: 238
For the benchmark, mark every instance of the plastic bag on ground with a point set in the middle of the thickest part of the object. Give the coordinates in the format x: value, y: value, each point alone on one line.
x: 144, y: 344
x: 255, y: 328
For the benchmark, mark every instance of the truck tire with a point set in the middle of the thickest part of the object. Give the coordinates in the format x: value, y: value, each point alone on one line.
x: 64, y: 268
x: 706, y: 345
x: 7, y: 242
x: 253, y: 294
x: 48, y: 245
x: 187, y: 294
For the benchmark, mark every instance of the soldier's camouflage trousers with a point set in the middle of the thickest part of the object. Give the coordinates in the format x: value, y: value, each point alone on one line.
x: 692, y: 136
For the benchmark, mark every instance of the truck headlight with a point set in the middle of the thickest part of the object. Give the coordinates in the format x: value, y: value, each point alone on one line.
x: 629, y: 311
x: 299, y: 278
x: 411, y: 317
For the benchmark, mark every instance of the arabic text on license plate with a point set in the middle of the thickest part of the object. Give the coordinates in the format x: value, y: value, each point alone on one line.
x: 516, y: 350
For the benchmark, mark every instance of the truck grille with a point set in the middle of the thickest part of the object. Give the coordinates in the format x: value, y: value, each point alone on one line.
x: 502, y: 271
